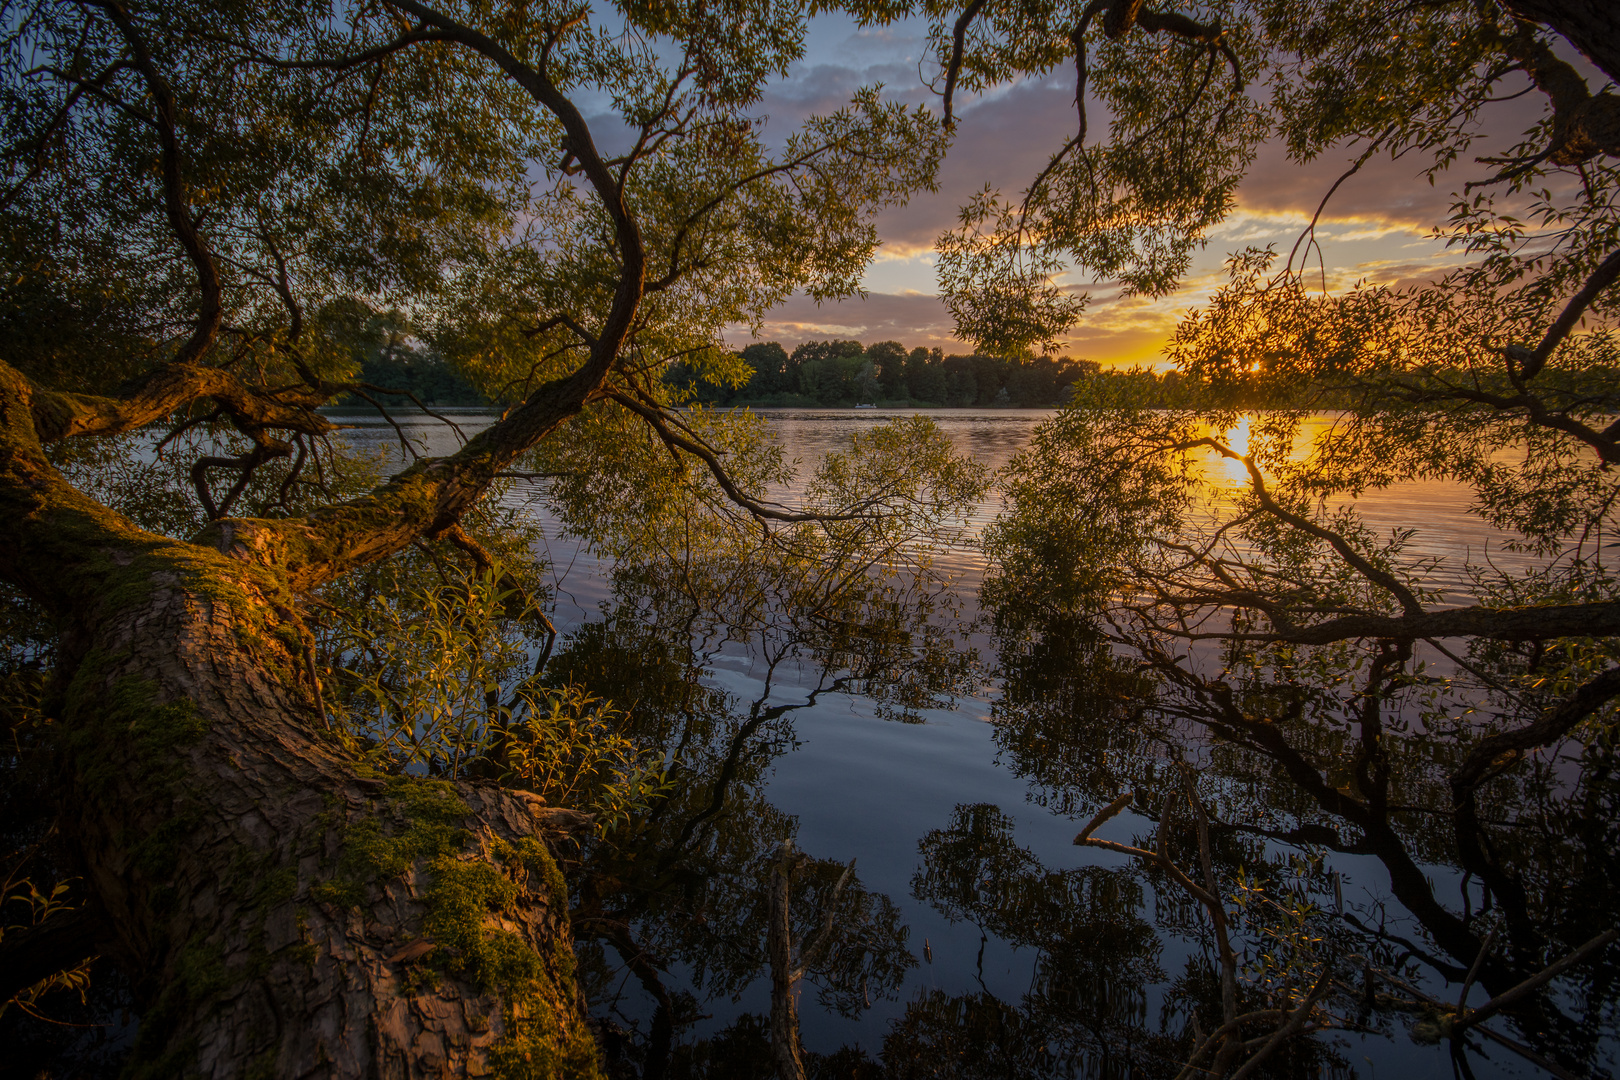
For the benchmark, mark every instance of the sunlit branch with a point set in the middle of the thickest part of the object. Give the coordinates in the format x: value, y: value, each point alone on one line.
x: 158, y: 395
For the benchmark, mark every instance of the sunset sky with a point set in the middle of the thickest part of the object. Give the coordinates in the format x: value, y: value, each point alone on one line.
x: 1375, y: 229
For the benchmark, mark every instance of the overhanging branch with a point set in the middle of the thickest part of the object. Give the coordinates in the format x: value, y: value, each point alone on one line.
x: 675, y: 440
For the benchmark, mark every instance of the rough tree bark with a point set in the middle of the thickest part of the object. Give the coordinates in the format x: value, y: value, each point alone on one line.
x: 280, y: 913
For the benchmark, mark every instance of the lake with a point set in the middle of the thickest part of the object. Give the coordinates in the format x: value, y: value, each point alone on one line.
x: 976, y: 939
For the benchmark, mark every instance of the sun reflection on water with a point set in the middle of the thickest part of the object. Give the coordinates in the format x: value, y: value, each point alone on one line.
x: 1237, y: 440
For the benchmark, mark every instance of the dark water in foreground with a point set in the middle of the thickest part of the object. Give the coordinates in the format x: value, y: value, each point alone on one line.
x: 977, y: 940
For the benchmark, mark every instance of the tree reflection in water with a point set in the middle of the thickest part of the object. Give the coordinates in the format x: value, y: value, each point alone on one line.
x: 684, y: 886
x: 1313, y: 780
x: 1302, y: 769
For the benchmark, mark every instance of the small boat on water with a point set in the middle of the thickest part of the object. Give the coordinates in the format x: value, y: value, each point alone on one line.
x: 866, y: 406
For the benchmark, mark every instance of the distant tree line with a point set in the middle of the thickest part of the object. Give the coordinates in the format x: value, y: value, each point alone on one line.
x: 393, y: 357
x: 423, y: 374
x: 846, y: 373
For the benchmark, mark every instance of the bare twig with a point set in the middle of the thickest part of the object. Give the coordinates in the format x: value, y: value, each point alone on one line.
x: 1296, y: 1021
x: 1541, y: 978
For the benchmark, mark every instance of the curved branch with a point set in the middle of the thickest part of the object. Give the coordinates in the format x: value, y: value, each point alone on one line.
x: 675, y: 440
x: 1592, y: 26
x: 428, y: 497
x: 581, y: 145
x: 244, y: 465
x: 1310, y: 230
x: 954, y: 66
x: 211, y: 311
x: 59, y: 415
x: 1584, y: 125
x: 1384, y: 579
x: 1536, y: 412
x: 431, y: 495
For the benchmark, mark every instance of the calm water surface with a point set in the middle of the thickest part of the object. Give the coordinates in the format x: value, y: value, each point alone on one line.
x: 1008, y: 951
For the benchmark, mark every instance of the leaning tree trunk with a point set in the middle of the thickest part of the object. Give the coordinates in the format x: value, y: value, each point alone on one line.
x: 284, y: 914
x: 280, y: 913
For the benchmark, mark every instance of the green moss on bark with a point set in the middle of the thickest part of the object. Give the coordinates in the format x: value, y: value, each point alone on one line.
x: 128, y: 733
x: 433, y: 815
x: 543, y: 1035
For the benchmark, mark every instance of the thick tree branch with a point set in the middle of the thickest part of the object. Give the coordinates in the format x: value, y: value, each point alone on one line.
x: 1536, y: 411
x: 164, y: 392
x: 63, y: 549
x: 1496, y: 624
x: 1585, y: 125
x: 1592, y: 26
x: 953, y: 66
x: 1606, y: 274
x: 579, y: 142
x: 430, y: 496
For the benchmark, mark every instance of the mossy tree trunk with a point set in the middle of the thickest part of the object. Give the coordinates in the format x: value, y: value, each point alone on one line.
x: 280, y: 913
